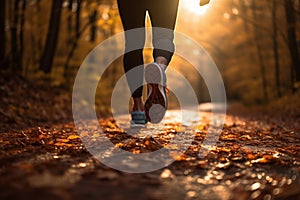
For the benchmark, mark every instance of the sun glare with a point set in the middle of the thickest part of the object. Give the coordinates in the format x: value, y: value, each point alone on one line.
x: 194, y: 7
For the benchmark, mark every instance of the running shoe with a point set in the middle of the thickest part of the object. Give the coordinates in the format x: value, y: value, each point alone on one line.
x: 138, y: 119
x: 156, y: 103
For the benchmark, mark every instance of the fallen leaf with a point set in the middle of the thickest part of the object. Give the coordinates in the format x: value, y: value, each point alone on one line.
x: 73, y: 137
x: 59, y: 140
x: 60, y: 144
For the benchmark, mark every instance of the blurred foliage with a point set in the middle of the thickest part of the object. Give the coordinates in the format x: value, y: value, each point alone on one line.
x: 227, y: 31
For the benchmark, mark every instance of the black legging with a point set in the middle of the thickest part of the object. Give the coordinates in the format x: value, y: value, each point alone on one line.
x: 163, y: 14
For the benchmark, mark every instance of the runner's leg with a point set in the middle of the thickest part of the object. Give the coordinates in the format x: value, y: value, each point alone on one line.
x: 163, y: 14
x: 132, y: 13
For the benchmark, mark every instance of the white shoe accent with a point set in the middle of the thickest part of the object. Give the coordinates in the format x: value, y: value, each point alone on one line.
x: 160, y: 83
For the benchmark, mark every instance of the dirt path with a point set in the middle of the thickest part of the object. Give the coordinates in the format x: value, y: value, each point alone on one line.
x: 42, y: 157
x: 252, y: 160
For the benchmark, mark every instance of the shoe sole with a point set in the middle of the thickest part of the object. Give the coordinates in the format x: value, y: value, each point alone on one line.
x: 134, y: 125
x: 155, y: 105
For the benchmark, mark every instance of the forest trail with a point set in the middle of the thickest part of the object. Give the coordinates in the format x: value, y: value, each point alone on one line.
x: 253, y: 159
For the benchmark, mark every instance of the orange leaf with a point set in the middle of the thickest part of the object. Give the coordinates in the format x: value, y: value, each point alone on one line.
x: 118, y: 145
x: 62, y: 144
x: 51, y: 142
x: 62, y: 140
x: 73, y: 137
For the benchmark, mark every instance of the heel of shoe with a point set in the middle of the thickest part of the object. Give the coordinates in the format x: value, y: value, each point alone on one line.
x: 153, y: 74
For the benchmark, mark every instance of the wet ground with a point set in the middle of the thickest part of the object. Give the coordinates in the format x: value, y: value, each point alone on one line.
x: 254, y: 158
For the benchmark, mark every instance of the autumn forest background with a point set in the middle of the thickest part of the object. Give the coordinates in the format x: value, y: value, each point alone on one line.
x: 255, y: 44
x: 44, y: 155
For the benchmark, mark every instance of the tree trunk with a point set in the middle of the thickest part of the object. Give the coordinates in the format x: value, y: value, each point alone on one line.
x: 243, y: 12
x: 2, y: 33
x: 292, y: 40
x: 259, y: 53
x: 75, y: 41
x: 52, y: 36
x: 275, y: 48
x: 15, y: 58
x: 93, y: 17
x: 21, y: 36
x: 77, y: 27
x: 39, y: 23
x: 70, y: 23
